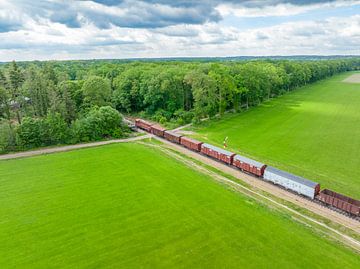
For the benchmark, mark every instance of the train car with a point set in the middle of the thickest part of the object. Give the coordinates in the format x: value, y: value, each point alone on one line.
x: 217, y: 153
x: 191, y: 143
x: 340, y: 201
x: 142, y: 124
x: 157, y: 130
x: 289, y: 181
x: 248, y: 165
x: 172, y: 137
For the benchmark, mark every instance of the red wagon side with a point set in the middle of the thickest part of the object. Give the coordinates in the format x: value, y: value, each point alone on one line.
x: 217, y: 153
x: 158, y: 130
x: 172, y: 137
x: 340, y: 201
x: 143, y: 125
x: 191, y: 143
x: 248, y: 165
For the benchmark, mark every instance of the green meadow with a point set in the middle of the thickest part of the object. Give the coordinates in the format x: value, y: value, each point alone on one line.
x: 313, y: 131
x: 131, y: 206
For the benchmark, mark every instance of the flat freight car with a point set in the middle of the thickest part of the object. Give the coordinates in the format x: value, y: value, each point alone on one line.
x: 248, y: 165
x: 172, y: 137
x: 289, y: 181
x: 217, y: 153
x: 143, y: 125
x: 340, y: 201
x: 191, y: 143
x: 158, y: 130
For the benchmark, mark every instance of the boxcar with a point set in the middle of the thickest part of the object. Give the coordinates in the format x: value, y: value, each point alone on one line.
x: 249, y: 165
x: 217, y: 153
x: 289, y: 181
x: 158, y: 130
x: 340, y: 201
x: 191, y: 143
x: 143, y: 125
x: 173, y: 137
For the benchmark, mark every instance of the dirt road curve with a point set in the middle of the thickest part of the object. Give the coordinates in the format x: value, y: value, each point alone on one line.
x: 272, y: 189
x: 67, y: 148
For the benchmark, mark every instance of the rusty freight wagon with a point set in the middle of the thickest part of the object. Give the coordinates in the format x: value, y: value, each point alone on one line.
x: 158, y: 130
x: 340, y: 201
x: 249, y: 165
x: 143, y: 125
x: 191, y: 143
x: 217, y: 153
x: 172, y: 137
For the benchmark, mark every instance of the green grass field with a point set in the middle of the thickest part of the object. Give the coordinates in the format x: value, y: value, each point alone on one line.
x: 130, y: 206
x: 313, y: 132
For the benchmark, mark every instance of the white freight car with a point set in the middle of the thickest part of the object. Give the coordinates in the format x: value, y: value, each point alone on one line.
x: 289, y: 181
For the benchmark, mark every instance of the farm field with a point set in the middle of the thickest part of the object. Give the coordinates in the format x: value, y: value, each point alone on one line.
x: 313, y: 132
x: 131, y: 206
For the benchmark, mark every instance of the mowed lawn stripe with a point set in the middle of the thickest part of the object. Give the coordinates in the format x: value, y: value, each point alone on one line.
x: 127, y: 205
x: 313, y: 132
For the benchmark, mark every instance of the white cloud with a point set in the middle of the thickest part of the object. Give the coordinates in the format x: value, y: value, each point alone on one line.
x: 277, y: 10
x: 41, y: 38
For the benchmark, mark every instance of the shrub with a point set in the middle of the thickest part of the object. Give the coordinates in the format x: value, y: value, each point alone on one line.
x: 98, y: 123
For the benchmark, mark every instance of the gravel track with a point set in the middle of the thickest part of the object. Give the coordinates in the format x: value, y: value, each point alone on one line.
x: 67, y: 148
x: 269, y: 188
x: 272, y: 189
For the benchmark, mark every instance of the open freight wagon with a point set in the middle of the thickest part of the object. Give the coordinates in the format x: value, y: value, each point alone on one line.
x: 340, y: 201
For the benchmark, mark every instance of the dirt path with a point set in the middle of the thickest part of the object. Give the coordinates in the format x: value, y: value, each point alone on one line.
x: 67, y: 148
x: 355, y: 78
x: 255, y: 194
x: 272, y: 189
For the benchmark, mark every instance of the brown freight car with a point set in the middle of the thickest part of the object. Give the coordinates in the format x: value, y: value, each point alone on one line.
x: 143, y: 125
x: 248, y: 165
x: 340, y: 201
x: 217, y: 153
x: 191, y: 143
x: 172, y: 137
x: 158, y: 130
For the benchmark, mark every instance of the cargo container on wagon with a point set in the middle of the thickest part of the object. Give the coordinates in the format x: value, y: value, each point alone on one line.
x: 340, y: 201
x: 217, y: 153
x: 172, y: 137
x: 191, y: 143
x: 248, y: 165
x: 158, y: 130
x: 289, y: 181
x: 143, y: 125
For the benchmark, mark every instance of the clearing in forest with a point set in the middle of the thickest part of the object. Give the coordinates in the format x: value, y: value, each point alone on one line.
x: 313, y: 131
x: 131, y: 206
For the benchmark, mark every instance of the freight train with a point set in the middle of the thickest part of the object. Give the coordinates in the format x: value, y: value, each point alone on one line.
x: 299, y: 185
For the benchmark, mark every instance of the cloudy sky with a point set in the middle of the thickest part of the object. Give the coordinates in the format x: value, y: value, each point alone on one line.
x: 59, y: 29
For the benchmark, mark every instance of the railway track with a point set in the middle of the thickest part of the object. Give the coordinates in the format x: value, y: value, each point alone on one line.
x: 336, y: 234
x: 315, y: 207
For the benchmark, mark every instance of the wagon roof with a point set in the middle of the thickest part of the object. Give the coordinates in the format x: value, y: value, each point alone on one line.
x: 158, y: 127
x: 292, y: 177
x: 173, y: 134
x: 144, y: 121
x: 191, y: 140
x: 248, y: 160
x: 220, y: 150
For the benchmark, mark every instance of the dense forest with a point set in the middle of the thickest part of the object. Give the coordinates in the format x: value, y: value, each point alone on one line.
x: 64, y: 102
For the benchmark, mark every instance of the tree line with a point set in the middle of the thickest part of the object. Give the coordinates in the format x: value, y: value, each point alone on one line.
x: 48, y: 103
